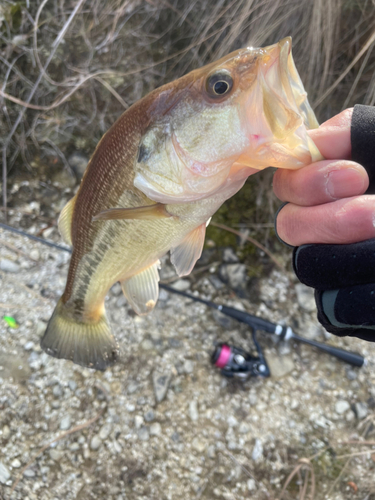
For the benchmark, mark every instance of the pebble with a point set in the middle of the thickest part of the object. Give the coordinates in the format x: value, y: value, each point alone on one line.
x: 193, y: 411
x: 138, y: 421
x: 361, y: 410
x: 65, y: 423
x: 16, y: 464
x: 105, y: 431
x: 9, y: 266
x: 257, y: 452
x: 280, y: 365
x: 4, y: 473
x: 251, y: 485
x: 29, y: 345
x: 161, y: 383
x: 132, y: 387
x: 74, y: 447
x: 351, y: 374
x: 305, y: 297
x: 234, y: 274
x: 144, y: 434
x: 341, y: 407
x: 34, y: 254
x: 149, y: 416
x: 40, y: 328
x: 78, y: 161
x: 56, y: 455
x: 95, y: 443
x: 181, y: 285
x: 244, y: 428
x: 29, y: 473
x: 211, y: 452
x: 72, y: 385
x: 216, y: 281
x: 155, y: 429
x: 5, y: 432
x: 198, y: 445
x: 57, y: 391
x: 221, y: 319
x: 229, y: 255
x: 188, y: 366
x: 147, y: 345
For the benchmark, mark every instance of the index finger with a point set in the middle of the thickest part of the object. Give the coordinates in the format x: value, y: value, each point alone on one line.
x: 333, y: 137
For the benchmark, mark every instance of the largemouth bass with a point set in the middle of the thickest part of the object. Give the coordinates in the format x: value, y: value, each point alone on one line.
x: 159, y: 174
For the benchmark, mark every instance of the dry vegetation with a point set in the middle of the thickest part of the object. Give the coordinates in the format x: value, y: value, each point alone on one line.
x: 70, y: 67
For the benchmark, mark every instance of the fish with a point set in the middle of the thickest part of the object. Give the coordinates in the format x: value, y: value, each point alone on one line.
x: 158, y: 175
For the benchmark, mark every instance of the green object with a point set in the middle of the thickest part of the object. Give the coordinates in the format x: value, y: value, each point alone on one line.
x: 11, y: 321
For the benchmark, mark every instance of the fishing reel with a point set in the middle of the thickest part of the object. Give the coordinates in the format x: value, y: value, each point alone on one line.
x: 235, y: 362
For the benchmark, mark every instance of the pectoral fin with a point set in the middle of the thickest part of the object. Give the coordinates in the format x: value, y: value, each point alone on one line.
x: 142, y: 290
x: 186, y: 254
x: 148, y: 212
x: 65, y: 221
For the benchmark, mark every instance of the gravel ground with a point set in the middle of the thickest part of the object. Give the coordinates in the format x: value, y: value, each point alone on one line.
x: 163, y: 423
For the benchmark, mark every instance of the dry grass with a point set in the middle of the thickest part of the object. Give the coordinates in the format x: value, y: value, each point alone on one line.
x: 70, y: 67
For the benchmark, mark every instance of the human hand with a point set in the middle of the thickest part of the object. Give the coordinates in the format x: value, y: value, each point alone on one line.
x: 332, y: 219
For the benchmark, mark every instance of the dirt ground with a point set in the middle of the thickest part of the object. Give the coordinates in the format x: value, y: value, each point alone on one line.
x: 209, y: 437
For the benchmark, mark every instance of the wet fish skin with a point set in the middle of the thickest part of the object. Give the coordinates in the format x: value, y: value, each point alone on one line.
x: 178, y: 153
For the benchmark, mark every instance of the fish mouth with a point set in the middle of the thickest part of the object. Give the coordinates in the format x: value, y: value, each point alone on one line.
x: 278, y: 129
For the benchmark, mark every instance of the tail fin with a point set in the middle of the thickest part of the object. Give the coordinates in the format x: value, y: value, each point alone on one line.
x: 86, y: 344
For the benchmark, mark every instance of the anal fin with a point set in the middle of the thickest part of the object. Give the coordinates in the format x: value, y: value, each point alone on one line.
x: 65, y: 221
x: 142, y: 289
x: 186, y: 254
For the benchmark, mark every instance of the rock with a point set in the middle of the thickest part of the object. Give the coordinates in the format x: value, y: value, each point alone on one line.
x: 29, y: 473
x: 251, y: 484
x: 351, y: 374
x: 132, y: 387
x: 193, y: 411
x: 235, y: 275
x: 144, y: 434
x: 105, y: 431
x: 4, y: 473
x: 361, y: 410
x: 341, y: 407
x: 232, y: 421
x: 138, y: 421
x: 257, y: 452
x: 147, y: 345
x: 29, y: 345
x: 95, y: 443
x: 155, y: 429
x: 305, y: 297
x: 40, y: 328
x: 34, y: 254
x: 5, y: 432
x: 65, y: 423
x: 16, y: 464
x: 57, y: 391
x: 161, y: 384
x: 9, y: 266
x: 56, y: 455
x: 198, y: 445
x: 72, y: 385
x: 244, y: 428
x: 181, y: 285
x: 229, y: 255
x: 188, y: 366
x: 149, y: 416
x: 78, y: 161
x: 280, y: 365
x: 221, y: 319
x: 211, y: 452
x: 74, y: 447
x: 216, y: 282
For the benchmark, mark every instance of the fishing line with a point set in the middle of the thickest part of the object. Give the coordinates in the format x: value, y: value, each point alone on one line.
x: 234, y: 361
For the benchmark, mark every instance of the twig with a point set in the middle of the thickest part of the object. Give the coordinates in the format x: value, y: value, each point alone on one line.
x: 330, y: 89
x: 251, y: 240
x: 366, y: 443
x: 55, y: 45
x: 62, y: 436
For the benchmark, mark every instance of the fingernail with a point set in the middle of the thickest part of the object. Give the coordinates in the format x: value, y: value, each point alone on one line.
x: 345, y: 182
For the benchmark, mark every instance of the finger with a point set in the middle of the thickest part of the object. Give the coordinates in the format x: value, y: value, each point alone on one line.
x: 333, y: 137
x: 320, y: 182
x: 342, y: 221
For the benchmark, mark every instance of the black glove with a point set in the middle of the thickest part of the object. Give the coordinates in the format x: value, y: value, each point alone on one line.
x: 344, y: 275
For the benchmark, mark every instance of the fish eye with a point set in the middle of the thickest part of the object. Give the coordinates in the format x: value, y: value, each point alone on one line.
x: 219, y: 83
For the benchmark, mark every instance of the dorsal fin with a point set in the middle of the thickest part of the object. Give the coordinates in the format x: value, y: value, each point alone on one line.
x: 65, y: 221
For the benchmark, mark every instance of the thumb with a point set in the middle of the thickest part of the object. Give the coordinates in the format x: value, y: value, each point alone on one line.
x: 332, y: 138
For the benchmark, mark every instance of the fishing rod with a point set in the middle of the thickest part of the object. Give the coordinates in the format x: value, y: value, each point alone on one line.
x: 225, y: 354
x: 232, y: 360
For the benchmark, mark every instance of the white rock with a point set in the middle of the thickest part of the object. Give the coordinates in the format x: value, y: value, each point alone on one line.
x: 257, y: 453
x: 105, y: 431
x: 341, y: 407
x: 193, y: 411
x: 65, y: 423
x: 155, y: 429
x: 95, y: 443
x: 305, y: 297
x: 16, y: 464
x: 4, y: 473
x: 9, y: 266
x: 251, y: 484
